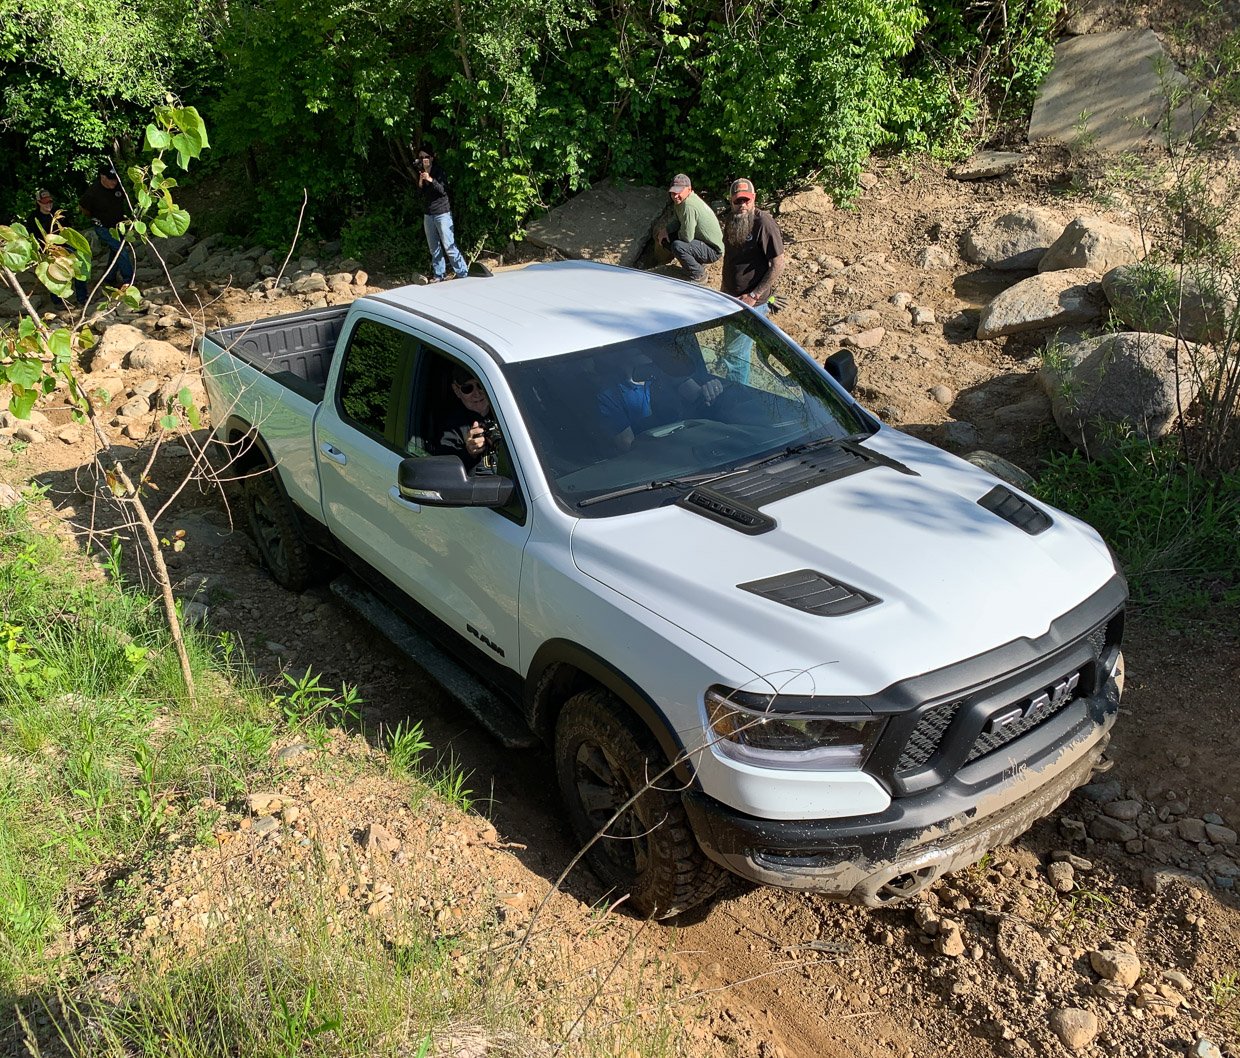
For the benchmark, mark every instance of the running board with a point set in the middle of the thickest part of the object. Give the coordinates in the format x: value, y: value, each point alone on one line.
x: 458, y: 683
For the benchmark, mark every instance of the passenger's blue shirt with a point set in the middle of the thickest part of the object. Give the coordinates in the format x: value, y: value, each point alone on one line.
x: 625, y: 406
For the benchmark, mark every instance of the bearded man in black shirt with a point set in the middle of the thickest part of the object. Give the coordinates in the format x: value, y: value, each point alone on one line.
x: 753, y: 258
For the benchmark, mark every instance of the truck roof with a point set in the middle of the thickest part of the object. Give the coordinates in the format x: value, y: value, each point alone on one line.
x: 560, y: 307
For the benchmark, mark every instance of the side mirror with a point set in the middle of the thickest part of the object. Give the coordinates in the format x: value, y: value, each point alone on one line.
x: 441, y: 481
x: 843, y: 368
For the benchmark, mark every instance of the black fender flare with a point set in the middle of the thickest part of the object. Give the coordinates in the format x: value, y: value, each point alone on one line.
x: 552, y: 670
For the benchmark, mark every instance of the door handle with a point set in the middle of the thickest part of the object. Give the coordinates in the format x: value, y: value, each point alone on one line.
x: 333, y: 453
x: 394, y: 493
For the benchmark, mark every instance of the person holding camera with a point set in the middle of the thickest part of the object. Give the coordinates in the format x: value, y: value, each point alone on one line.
x: 437, y: 218
x: 469, y: 429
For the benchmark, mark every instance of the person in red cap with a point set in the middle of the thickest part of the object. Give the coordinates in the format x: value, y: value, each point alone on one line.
x: 753, y: 258
x: 689, y: 229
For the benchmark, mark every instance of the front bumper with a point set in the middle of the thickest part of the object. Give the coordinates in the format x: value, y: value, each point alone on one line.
x: 874, y: 860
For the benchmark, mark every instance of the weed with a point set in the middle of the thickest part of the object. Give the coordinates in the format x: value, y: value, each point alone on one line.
x: 405, y: 745
x: 1225, y: 997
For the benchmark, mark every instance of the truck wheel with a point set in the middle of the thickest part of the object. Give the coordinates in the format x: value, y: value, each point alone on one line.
x: 285, y: 551
x: 603, y: 757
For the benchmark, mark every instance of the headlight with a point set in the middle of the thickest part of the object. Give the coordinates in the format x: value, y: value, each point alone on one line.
x: 806, y: 734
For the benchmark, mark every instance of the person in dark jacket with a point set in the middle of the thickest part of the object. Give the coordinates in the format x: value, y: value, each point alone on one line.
x: 106, y: 206
x: 469, y: 425
x: 437, y: 218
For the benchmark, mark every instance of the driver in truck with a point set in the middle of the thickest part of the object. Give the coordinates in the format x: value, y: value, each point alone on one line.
x: 469, y: 428
x: 653, y: 391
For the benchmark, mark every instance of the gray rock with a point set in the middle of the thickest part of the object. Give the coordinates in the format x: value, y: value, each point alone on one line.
x: 1126, y: 382
x: 985, y: 165
x: 1042, y: 302
x: 1223, y: 866
x: 942, y: 394
x: 264, y: 826
x: 1015, y: 241
x: 311, y: 284
x: 1114, y: 79
x: 1029, y: 413
x: 198, y: 256
x: 134, y: 408
x: 1147, y: 297
x: 155, y: 357
x: 1103, y: 792
x: 868, y: 339
x: 901, y: 299
x: 1080, y: 863
x: 1159, y: 880
x: 1209, y: 817
x: 1076, y: 1028
x: 307, y: 264
x: 1220, y: 835
x: 610, y: 222
x: 110, y: 351
x: 1190, y: 829
x: 1122, y: 967
x: 1093, y: 243
x: 863, y: 318
x: 921, y: 315
x: 934, y: 259
x: 29, y: 435
x: 290, y: 753
x: 1204, y: 1048
x: 960, y: 435
x: 1103, y: 828
x: 1061, y: 875
x: 1125, y: 810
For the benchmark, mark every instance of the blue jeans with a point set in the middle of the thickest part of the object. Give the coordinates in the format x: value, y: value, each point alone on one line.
x: 123, y: 269
x: 442, y: 240
x: 736, y: 349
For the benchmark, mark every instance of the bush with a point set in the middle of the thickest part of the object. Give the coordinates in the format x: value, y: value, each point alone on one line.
x: 1174, y: 530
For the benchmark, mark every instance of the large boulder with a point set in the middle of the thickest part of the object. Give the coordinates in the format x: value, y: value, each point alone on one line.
x: 117, y: 342
x: 156, y: 357
x: 1130, y: 381
x: 1093, y: 243
x: 1148, y: 297
x: 1015, y: 241
x: 1052, y: 299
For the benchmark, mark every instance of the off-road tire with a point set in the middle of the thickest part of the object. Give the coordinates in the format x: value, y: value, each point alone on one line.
x: 283, y: 547
x: 601, y: 748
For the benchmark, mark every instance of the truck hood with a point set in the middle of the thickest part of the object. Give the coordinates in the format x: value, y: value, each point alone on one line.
x: 952, y: 579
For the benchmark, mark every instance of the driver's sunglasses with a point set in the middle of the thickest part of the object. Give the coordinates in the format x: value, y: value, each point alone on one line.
x: 468, y: 389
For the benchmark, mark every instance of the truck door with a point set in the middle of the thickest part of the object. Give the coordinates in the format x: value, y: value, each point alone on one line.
x: 464, y: 566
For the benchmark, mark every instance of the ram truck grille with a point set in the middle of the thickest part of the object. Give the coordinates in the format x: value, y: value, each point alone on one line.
x: 937, y: 726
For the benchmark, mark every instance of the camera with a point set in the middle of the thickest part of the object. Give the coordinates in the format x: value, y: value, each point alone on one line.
x: 494, y: 436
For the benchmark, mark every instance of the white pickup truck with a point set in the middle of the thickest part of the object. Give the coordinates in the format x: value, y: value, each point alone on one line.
x: 761, y: 631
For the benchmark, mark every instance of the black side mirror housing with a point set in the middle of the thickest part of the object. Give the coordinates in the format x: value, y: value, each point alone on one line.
x: 441, y: 481
x: 843, y: 368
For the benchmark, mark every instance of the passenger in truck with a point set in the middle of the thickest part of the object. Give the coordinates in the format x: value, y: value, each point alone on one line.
x: 468, y: 427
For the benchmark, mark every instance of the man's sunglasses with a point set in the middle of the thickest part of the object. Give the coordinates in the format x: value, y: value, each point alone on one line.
x: 468, y: 389
x: 740, y: 199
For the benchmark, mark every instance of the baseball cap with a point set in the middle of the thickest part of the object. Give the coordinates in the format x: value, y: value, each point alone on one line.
x: 106, y: 168
x: 680, y: 182
x: 41, y: 194
x: 742, y: 188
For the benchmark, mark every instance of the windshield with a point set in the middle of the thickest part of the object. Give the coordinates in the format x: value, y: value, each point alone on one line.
x: 680, y: 404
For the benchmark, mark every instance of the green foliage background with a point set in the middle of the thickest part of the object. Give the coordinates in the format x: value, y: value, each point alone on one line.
x: 526, y: 101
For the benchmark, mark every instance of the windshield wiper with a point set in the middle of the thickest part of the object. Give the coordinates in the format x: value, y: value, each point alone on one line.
x: 661, y: 483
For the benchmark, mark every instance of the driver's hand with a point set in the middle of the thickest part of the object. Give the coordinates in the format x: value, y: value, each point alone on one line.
x: 711, y: 390
x: 476, y: 440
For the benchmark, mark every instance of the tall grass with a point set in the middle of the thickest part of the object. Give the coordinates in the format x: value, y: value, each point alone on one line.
x: 106, y: 768
x: 1176, y: 532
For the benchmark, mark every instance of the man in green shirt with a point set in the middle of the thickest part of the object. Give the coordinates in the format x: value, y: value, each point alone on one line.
x: 691, y: 232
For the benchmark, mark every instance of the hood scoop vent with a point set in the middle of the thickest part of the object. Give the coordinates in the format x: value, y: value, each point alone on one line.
x: 723, y: 509
x: 811, y: 592
x: 1003, y: 502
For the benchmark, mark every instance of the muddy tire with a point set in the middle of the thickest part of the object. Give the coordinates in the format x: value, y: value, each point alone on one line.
x: 273, y: 524
x: 603, y: 755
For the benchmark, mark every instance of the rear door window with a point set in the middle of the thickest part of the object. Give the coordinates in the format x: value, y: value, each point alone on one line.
x: 377, y: 382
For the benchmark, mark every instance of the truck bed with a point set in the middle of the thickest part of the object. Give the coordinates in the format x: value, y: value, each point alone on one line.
x: 294, y: 350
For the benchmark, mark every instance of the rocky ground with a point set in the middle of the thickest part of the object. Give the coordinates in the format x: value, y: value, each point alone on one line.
x: 1111, y: 928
